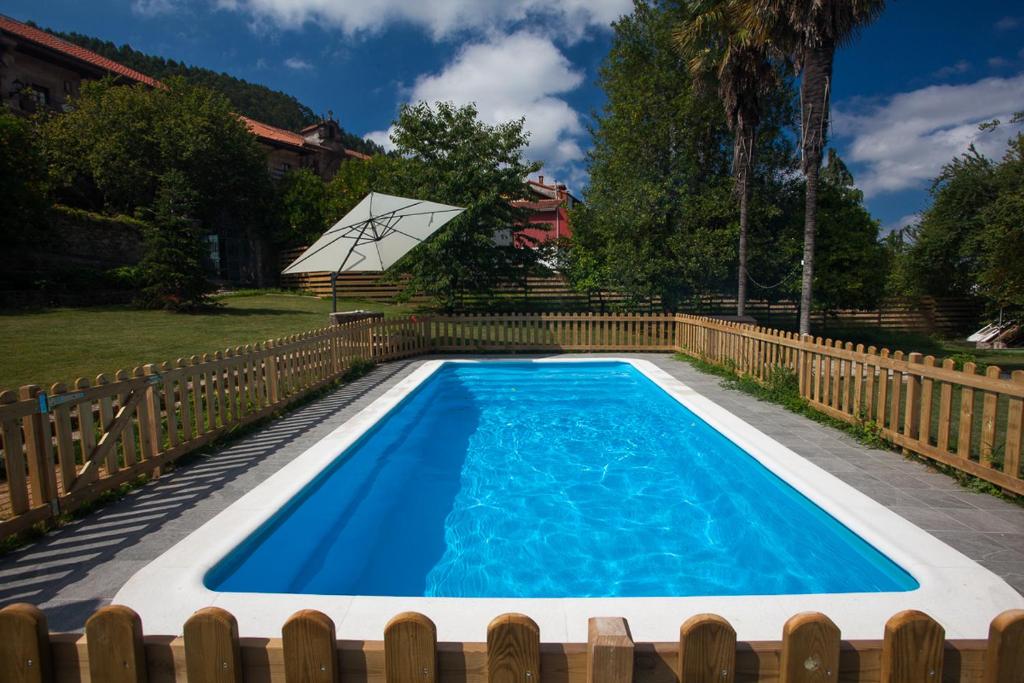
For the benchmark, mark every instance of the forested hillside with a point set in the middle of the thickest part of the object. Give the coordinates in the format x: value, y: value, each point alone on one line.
x: 251, y: 99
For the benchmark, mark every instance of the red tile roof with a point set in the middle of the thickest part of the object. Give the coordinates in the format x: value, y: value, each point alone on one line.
x: 356, y: 154
x: 56, y: 44
x: 280, y: 135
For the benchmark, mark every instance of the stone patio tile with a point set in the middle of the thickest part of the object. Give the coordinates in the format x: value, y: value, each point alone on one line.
x: 929, y: 519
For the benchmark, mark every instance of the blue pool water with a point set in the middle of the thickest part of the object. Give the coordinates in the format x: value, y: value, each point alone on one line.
x: 518, y: 479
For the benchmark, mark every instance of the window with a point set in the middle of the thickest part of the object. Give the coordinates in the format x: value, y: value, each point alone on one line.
x: 277, y: 172
x: 38, y: 93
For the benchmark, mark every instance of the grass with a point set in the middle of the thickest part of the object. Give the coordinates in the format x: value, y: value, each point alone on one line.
x: 1008, y: 360
x: 63, y: 344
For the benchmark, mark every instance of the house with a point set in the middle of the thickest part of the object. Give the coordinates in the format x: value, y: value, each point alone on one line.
x: 549, y: 210
x: 40, y: 71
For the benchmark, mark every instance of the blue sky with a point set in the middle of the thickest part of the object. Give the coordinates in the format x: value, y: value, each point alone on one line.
x: 907, y: 95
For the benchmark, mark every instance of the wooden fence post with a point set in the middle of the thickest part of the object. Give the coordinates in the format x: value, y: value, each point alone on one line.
x: 1014, y: 430
x: 912, y: 649
x: 151, y: 427
x: 410, y: 649
x: 513, y: 650
x: 707, y: 650
x: 1004, y: 660
x: 24, y: 645
x: 912, y: 412
x: 810, y: 649
x: 114, y: 638
x: 39, y: 449
x: 14, y: 458
x: 212, y: 654
x: 309, y: 644
x: 609, y: 651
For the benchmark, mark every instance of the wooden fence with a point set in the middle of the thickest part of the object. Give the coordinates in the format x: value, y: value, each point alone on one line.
x: 114, y: 649
x: 926, y: 315
x: 63, y: 448
x: 958, y: 417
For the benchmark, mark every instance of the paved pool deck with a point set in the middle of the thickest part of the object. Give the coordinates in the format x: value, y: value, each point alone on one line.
x: 71, y: 572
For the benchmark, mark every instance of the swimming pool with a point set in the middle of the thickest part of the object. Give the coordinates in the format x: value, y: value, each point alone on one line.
x: 628, y: 491
x: 550, y: 480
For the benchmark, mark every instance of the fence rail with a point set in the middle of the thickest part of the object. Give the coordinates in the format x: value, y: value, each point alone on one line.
x: 114, y: 649
x: 63, y: 448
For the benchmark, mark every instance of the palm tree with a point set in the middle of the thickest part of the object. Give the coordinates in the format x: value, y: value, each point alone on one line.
x: 719, y: 48
x: 809, y: 32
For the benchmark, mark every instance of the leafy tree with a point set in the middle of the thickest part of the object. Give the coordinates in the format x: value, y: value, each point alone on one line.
x: 946, y: 257
x: 454, y: 158
x: 970, y: 241
x: 1001, y: 278
x: 356, y: 179
x: 111, y: 151
x: 172, y: 268
x: 852, y: 272
x: 659, y: 217
x: 23, y: 178
x: 718, y: 46
x: 302, y: 199
x: 810, y: 31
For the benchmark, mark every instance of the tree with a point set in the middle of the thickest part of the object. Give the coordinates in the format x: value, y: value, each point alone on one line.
x: 23, y: 178
x: 450, y: 156
x: 718, y: 46
x: 970, y: 241
x: 302, y: 200
x: 946, y: 257
x: 852, y: 272
x: 659, y: 218
x: 172, y: 268
x: 1001, y: 278
x: 810, y: 31
x: 356, y: 179
x: 111, y: 152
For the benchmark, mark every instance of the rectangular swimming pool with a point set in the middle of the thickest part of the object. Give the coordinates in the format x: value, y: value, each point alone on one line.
x: 562, y: 488
x: 550, y: 480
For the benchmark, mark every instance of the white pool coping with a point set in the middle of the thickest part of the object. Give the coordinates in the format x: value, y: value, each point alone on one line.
x: 959, y: 593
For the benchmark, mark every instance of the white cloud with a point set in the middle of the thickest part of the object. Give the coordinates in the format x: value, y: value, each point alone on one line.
x: 961, y: 67
x: 508, y: 77
x: 1007, y: 23
x: 902, y: 222
x: 297, y: 63
x: 904, y: 141
x: 152, y: 8
x: 442, y: 18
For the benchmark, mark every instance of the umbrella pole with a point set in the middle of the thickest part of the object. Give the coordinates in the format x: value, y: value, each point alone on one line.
x: 334, y: 292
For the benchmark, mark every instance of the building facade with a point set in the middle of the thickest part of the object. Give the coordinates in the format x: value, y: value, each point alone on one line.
x: 549, y: 213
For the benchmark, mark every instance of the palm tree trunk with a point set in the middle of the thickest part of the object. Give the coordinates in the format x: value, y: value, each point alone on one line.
x: 815, y: 85
x: 810, y: 234
x: 741, y: 285
x: 742, y: 163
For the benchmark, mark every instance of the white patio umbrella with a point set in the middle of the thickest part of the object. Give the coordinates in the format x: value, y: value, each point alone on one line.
x: 380, y: 230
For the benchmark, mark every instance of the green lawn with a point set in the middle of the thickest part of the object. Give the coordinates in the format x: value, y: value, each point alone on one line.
x: 63, y: 344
